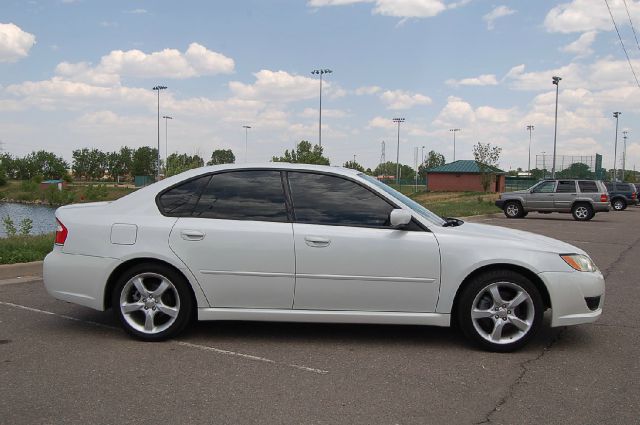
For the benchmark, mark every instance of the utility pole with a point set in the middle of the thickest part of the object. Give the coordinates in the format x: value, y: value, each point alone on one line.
x: 398, y: 121
x: 166, y: 142
x: 422, y: 155
x: 544, y: 165
x: 624, y: 154
x: 454, y: 130
x: 556, y: 82
x: 246, y: 141
x: 158, y: 88
x: 616, y: 115
x: 530, y: 128
x: 320, y: 72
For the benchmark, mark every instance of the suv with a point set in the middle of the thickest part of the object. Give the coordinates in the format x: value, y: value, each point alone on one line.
x: 582, y: 198
x: 621, y: 195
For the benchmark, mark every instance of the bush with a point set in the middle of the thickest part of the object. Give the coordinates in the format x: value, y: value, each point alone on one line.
x: 37, y: 179
x: 3, y: 176
x: 22, y: 249
x: 29, y: 186
x: 95, y: 192
x: 54, y: 196
x: 9, y: 227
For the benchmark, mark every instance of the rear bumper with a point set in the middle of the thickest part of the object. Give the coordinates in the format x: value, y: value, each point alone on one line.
x: 601, y: 206
x: 570, y: 292
x: 79, y: 279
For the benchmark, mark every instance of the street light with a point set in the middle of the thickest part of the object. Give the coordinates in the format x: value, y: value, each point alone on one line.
x: 556, y: 82
x: 454, y: 130
x: 398, y: 121
x: 246, y: 141
x: 624, y: 154
x: 422, y: 155
x: 166, y: 142
x: 530, y: 128
x: 158, y: 88
x: 544, y: 165
x: 615, y: 148
x: 320, y: 72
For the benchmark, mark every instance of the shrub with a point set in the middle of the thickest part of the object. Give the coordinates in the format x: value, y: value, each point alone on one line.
x: 9, y: 227
x: 54, y: 196
x: 95, y: 192
x: 29, y: 186
x: 25, y: 226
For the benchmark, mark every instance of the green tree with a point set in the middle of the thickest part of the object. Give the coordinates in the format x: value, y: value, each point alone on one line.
x: 487, y: 157
x: 144, y: 161
x: 177, y: 163
x: 388, y: 169
x: 577, y: 170
x: 222, y: 156
x: 354, y: 166
x: 304, y: 153
x: 433, y: 159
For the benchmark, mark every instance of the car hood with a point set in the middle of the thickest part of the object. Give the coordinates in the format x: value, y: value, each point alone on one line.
x: 527, y: 240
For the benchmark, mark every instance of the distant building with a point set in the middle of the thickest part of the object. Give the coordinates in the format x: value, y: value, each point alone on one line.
x: 60, y: 184
x: 463, y: 176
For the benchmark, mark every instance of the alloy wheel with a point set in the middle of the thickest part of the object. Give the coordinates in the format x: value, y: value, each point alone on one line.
x: 582, y: 213
x: 513, y: 210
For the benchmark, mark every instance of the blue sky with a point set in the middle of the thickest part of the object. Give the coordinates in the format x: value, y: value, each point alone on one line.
x: 79, y: 74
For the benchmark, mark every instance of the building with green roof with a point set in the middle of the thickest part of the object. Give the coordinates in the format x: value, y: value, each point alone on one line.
x: 464, y: 176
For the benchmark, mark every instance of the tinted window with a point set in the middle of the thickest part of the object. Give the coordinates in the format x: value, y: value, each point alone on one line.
x: 243, y: 195
x: 588, y: 187
x: 323, y: 199
x: 566, y: 186
x: 545, y: 187
x: 181, y: 200
x: 609, y: 187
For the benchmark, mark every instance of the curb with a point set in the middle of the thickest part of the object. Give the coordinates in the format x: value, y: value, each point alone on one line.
x: 10, y: 271
x: 492, y: 215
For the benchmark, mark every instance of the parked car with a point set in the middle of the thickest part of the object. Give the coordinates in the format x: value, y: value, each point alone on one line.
x: 305, y: 243
x: 622, y: 195
x: 582, y: 198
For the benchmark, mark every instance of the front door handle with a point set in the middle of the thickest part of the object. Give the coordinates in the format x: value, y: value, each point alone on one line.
x: 317, y: 241
x: 192, y: 235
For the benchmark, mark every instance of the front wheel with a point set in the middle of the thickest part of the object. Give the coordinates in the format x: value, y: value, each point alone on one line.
x: 582, y: 212
x: 513, y: 209
x: 500, y: 310
x: 152, y: 302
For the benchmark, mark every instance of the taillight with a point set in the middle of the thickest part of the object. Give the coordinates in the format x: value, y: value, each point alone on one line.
x: 61, y: 233
x: 604, y: 198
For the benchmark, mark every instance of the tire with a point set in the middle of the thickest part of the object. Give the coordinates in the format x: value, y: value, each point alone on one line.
x: 513, y: 209
x: 152, y: 302
x: 486, y: 318
x: 618, y: 204
x: 582, y: 212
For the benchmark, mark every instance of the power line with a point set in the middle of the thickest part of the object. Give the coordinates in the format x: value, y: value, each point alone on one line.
x: 622, y: 44
x: 631, y: 23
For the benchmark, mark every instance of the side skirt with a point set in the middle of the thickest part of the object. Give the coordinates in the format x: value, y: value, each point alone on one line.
x: 322, y: 316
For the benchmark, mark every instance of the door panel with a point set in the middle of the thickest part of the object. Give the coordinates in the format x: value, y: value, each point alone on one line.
x: 238, y: 263
x: 542, y: 197
x: 368, y: 269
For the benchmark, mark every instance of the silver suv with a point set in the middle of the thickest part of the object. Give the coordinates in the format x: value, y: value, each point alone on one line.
x: 582, y: 198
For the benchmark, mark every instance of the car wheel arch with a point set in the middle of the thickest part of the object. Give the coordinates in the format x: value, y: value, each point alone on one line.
x: 532, y: 276
x: 126, y: 265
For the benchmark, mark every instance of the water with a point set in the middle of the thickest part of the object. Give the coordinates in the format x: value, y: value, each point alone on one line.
x: 42, y: 216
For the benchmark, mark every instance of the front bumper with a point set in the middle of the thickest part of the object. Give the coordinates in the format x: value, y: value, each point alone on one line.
x: 499, y: 203
x: 570, y: 294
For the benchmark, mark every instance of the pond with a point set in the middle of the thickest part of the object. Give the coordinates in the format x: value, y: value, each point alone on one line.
x: 42, y: 216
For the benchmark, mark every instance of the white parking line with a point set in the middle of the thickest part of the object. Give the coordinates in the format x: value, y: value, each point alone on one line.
x: 181, y: 343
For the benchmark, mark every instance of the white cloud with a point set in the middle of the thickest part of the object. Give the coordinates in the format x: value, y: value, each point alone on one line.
x: 136, y: 11
x: 582, y: 46
x: 395, y: 8
x: 276, y: 86
x: 329, y: 113
x: 497, y: 13
x: 399, y: 99
x: 481, y: 80
x: 585, y: 15
x: 167, y: 63
x: 14, y: 43
x: 367, y: 90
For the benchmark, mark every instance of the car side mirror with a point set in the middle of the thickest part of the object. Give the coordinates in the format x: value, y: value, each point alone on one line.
x: 399, y: 218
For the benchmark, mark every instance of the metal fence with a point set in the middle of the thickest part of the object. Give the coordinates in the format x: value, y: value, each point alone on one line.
x: 519, y: 183
x: 570, y: 166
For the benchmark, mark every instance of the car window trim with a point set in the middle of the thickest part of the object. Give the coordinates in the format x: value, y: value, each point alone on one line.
x: 183, y: 182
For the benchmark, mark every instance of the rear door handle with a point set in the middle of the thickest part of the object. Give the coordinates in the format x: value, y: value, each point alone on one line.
x: 192, y: 235
x: 317, y: 241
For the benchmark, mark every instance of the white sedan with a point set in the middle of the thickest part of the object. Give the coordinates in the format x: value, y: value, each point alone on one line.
x: 304, y: 243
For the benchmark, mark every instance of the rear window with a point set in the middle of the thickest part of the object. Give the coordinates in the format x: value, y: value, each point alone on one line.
x: 566, y: 186
x: 588, y: 187
x: 180, y: 200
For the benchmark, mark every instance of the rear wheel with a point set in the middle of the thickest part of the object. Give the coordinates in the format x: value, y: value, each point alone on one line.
x: 619, y: 204
x: 513, y: 209
x: 582, y: 212
x: 152, y: 302
x: 500, y: 310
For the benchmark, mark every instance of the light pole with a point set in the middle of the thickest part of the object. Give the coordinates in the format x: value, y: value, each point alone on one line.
x: 320, y: 72
x: 454, y: 130
x: 544, y: 165
x: 422, y: 155
x: 398, y: 121
x: 615, y: 148
x: 246, y: 141
x: 166, y: 142
x: 158, y: 88
x: 530, y: 128
x: 556, y: 82
x: 624, y: 154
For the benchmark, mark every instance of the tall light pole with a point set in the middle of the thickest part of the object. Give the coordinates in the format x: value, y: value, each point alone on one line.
x: 158, y: 88
x: 246, y: 141
x: 398, y: 121
x: 615, y: 148
x: 166, y: 142
x: 544, y: 165
x: 530, y: 128
x: 422, y: 155
x: 556, y: 82
x: 320, y: 72
x: 454, y: 131
x: 624, y: 154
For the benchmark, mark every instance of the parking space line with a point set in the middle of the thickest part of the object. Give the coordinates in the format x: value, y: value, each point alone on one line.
x: 181, y: 343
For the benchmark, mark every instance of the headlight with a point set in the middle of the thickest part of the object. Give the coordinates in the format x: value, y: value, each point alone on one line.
x: 579, y: 262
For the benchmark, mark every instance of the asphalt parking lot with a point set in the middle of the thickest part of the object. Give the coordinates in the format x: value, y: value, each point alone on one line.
x: 61, y: 363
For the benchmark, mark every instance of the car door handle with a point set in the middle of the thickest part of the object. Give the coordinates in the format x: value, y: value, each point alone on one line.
x: 192, y: 235
x: 317, y: 241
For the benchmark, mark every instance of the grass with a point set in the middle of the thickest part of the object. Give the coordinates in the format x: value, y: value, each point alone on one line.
x: 458, y: 204
x: 22, y: 249
x: 26, y: 191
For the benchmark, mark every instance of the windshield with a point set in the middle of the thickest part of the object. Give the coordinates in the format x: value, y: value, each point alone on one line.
x: 422, y: 211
